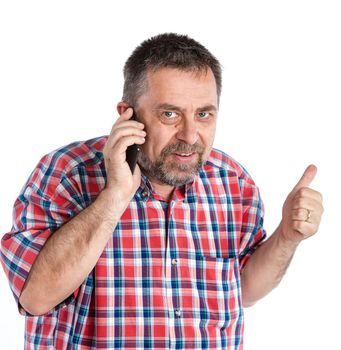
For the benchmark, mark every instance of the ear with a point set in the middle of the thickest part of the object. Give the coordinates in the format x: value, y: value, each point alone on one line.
x: 122, y: 107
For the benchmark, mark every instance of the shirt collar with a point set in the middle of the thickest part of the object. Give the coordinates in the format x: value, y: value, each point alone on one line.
x: 181, y: 193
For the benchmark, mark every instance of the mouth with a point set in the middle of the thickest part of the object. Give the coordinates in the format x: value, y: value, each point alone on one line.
x: 185, y: 157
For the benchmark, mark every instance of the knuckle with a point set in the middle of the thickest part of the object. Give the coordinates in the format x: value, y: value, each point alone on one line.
x: 302, y: 213
x: 304, y: 191
x: 299, y: 202
x: 301, y: 192
x: 296, y: 214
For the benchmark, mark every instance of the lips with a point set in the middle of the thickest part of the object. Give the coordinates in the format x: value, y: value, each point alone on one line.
x: 184, y: 154
x: 185, y: 157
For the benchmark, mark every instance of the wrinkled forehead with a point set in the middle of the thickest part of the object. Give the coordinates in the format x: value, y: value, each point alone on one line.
x: 168, y: 82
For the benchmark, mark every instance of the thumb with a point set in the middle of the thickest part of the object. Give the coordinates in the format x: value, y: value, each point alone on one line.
x: 307, y: 177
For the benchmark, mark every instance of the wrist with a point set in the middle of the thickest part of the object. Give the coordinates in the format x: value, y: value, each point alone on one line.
x: 111, y: 204
x: 284, y: 240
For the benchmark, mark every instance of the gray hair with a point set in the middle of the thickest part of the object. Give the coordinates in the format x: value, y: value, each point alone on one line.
x: 166, y: 50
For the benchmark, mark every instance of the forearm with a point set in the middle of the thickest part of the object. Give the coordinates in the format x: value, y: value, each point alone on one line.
x: 266, y: 267
x: 70, y: 254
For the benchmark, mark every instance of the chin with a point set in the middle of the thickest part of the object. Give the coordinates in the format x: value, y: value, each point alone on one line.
x: 178, y: 177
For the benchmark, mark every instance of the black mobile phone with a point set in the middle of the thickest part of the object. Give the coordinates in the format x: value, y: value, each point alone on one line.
x: 132, y: 152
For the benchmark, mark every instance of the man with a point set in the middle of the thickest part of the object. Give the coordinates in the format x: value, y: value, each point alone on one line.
x: 166, y: 257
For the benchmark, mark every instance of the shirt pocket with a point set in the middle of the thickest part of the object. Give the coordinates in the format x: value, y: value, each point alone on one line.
x: 217, y: 287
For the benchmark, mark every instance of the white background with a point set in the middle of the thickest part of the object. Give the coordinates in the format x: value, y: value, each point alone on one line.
x: 61, y: 77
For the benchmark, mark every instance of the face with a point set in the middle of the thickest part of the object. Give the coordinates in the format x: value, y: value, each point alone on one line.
x: 179, y: 110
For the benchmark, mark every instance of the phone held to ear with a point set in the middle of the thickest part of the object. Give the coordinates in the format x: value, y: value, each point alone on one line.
x: 132, y: 152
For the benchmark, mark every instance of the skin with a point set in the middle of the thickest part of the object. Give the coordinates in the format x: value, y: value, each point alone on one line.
x: 57, y: 273
x: 269, y: 262
x: 184, y: 118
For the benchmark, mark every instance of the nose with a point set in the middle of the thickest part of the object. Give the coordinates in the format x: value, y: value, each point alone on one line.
x: 188, y: 131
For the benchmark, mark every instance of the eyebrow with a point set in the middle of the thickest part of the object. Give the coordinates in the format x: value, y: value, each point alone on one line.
x: 169, y: 106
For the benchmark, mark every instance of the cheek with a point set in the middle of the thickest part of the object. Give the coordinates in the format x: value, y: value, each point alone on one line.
x: 156, y: 141
x: 208, y: 140
x: 208, y: 134
x: 210, y: 137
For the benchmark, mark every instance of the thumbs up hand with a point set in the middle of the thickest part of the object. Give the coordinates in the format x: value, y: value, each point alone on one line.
x: 302, y: 210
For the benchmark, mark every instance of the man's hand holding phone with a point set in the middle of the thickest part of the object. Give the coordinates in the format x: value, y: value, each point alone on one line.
x: 120, y: 179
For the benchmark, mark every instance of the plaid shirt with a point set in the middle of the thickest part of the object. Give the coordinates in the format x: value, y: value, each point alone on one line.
x: 169, y: 276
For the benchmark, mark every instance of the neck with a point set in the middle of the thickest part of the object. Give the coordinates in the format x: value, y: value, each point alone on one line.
x: 162, y: 189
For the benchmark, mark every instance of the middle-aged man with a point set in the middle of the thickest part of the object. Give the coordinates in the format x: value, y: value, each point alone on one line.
x: 168, y: 257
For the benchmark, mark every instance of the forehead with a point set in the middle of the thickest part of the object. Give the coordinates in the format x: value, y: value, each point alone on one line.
x: 171, y: 85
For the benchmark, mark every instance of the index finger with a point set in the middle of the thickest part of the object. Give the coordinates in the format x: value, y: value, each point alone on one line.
x: 124, y: 120
x: 127, y: 114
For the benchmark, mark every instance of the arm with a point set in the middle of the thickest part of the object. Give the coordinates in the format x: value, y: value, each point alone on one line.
x: 69, y: 255
x: 73, y: 250
x: 268, y: 264
x: 266, y: 267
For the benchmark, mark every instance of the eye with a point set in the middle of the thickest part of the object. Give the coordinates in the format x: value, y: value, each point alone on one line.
x: 169, y: 115
x: 203, y: 115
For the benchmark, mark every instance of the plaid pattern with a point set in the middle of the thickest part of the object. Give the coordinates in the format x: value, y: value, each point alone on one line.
x: 170, y: 275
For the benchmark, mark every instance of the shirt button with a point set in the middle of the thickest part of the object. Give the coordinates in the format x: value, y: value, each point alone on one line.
x: 144, y: 194
x: 174, y: 261
x: 178, y: 312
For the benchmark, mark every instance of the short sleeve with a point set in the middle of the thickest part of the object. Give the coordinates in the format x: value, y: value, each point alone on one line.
x: 46, y: 202
x: 252, y: 231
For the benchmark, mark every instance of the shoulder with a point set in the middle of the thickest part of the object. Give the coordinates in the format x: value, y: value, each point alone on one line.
x: 67, y: 161
x: 220, y: 162
x: 79, y: 153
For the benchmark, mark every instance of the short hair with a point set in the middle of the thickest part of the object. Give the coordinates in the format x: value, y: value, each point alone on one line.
x: 166, y: 50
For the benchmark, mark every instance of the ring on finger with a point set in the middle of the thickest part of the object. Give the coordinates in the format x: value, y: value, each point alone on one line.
x: 308, y: 215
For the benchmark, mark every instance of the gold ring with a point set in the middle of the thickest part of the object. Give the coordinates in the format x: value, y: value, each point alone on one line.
x: 308, y: 215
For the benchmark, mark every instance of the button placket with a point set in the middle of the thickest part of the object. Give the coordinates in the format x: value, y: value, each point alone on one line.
x: 178, y: 313
x: 174, y: 262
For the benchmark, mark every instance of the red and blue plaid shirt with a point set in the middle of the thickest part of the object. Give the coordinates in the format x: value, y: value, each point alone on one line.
x: 169, y: 277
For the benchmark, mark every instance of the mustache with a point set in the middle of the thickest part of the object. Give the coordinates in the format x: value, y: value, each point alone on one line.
x: 182, y: 147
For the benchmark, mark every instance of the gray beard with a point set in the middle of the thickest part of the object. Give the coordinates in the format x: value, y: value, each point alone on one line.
x: 172, y: 173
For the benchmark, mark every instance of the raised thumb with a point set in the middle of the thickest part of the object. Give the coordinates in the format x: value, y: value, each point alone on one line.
x: 307, y: 177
